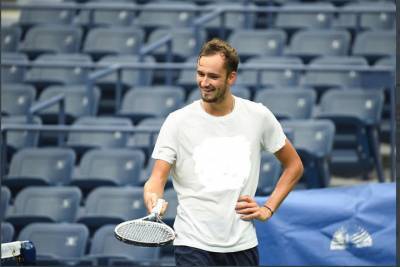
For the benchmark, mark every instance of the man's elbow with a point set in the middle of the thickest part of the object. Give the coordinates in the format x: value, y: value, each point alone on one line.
x: 299, y: 168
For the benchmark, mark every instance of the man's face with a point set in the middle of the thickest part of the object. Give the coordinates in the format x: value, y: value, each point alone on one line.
x: 212, y: 78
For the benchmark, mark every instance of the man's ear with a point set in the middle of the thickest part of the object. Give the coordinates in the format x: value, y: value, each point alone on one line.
x: 232, y: 77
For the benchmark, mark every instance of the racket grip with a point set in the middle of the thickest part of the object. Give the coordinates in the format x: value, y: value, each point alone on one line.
x: 157, y: 208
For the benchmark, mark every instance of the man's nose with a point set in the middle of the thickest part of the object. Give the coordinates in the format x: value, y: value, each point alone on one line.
x: 204, y: 82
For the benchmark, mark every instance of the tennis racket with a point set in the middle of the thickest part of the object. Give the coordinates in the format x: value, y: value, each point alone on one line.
x: 149, y: 231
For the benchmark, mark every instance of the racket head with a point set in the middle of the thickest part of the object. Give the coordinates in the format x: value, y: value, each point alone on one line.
x: 145, y: 233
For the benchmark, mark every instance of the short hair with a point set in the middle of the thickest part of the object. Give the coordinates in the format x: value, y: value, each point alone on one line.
x: 218, y: 46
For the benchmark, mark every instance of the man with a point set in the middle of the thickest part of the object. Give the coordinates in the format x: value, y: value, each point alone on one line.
x: 212, y: 147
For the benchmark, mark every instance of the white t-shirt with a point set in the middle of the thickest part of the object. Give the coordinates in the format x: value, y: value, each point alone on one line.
x: 214, y: 161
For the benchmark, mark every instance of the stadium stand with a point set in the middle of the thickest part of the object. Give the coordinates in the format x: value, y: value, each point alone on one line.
x: 7, y: 232
x: 270, y: 171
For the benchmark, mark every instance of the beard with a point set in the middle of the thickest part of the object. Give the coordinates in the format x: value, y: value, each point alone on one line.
x: 217, y: 95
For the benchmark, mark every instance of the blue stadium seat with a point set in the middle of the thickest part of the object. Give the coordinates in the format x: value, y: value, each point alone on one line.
x: 83, y: 141
x: 20, y: 139
x: 155, y: 101
x: 51, y: 39
x: 375, y: 44
x: 106, y: 250
x: 112, y: 205
x: 114, y: 17
x: 151, y: 19
x: 293, y: 21
x: 57, y: 243
x: 171, y: 197
x: 7, y: 232
x: 42, y: 77
x: 40, y: 16
x: 258, y: 42
x: 114, y: 40
x: 357, y: 115
x: 324, y: 80
x: 13, y: 73
x: 313, y: 140
x: 271, y: 77
x: 288, y: 104
x: 44, y: 204
x: 270, y: 171
x: 183, y: 43
x: 40, y: 166
x: 76, y: 103
x: 10, y: 38
x: 109, y: 167
x: 146, y: 172
x: 381, y: 20
x: 310, y: 43
x: 5, y: 201
x: 16, y: 99
x: 146, y: 140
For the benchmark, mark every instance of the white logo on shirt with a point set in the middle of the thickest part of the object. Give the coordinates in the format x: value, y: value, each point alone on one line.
x: 222, y: 163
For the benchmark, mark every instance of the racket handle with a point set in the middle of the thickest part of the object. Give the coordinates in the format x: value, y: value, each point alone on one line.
x: 157, y: 208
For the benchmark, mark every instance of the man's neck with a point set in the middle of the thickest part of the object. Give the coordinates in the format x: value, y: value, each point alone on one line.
x: 219, y: 109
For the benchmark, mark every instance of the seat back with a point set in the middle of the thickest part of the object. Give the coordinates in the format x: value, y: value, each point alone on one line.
x: 53, y: 165
x: 59, y: 240
x: 5, y: 201
x: 16, y: 99
x: 375, y: 43
x: 58, y: 204
x: 123, y: 203
x: 7, y: 232
x: 156, y: 100
x: 13, y: 73
x: 288, y: 104
x: 123, y: 166
x: 270, y: 170
x: 10, y: 38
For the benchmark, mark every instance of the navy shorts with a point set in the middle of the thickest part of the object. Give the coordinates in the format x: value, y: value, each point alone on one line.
x: 188, y: 256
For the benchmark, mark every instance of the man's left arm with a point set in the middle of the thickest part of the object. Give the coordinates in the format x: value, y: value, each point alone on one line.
x: 292, y: 171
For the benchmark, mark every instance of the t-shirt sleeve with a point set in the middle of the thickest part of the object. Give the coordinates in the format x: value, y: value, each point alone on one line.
x: 166, y: 144
x: 273, y: 138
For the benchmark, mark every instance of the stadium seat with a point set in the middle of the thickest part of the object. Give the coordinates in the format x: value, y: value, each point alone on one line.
x: 151, y: 19
x: 20, y: 139
x: 109, y: 167
x: 375, y: 44
x: 324, y: 80
x: 310, y: 43
x: 5, y: 201
x: 51, y: 39
x: 13, y: 73
x: 270, y: 171
x: 112, y: 205
x: 155, y: 101
x: 40, y: 16
x: 76, y: 103
x: 7, y: 232
x: 171, y: 197
x: 44, y: 204
x: 57, y: 243
x: 313, y: 140
x: 16, y: 99
x: 357, y: 115
x: 106, y: 250
x: 183, y: 43
x: 100, y: 17
x: 40, y: 166
x: 375, y: 21
x: 293, y: 21
x: 233, y: 20
x: 146, y: 140
x: 288, y: 104
x: 104, y: 41
x: 258, y: 42
x: 146, y: 172
x: 82, y: 141
x: 276, y: 76
x: 42, y: 77
x: 10, y: 37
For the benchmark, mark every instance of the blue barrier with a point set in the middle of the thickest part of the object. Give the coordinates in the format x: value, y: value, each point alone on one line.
x: 344, y: 226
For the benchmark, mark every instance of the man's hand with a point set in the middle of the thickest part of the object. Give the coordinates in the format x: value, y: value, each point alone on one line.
x: 248, y: 208
x: 151, y: 200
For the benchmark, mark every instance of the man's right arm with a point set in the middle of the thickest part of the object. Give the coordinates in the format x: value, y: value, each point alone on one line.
x: 154, y: 187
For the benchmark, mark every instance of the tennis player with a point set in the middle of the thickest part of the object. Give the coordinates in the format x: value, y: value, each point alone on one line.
x: 212, y: 149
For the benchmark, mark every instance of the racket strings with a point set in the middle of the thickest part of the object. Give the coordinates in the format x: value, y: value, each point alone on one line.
x: 145, y: 232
